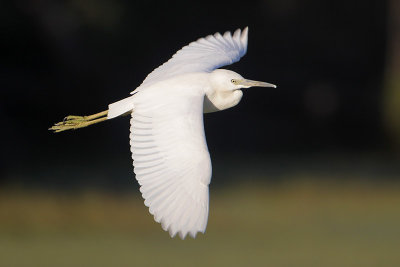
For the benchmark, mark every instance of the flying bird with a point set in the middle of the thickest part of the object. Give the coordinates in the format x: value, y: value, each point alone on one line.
x: 169, y: 150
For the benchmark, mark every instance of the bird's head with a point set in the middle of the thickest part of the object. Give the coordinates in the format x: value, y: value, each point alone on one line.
x: 227, y: 80
x: 225, y: 89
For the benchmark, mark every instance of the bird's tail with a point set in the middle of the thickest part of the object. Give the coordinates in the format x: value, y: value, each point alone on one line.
x: 120, y: 108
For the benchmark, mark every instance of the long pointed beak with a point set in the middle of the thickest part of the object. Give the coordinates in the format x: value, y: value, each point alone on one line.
x: 250, y: 83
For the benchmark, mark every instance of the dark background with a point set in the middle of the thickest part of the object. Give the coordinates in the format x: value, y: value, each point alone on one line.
x: 75, y: 57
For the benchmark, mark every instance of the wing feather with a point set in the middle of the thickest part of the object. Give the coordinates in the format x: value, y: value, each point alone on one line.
x: 204, y: 55
x: 171, y: 160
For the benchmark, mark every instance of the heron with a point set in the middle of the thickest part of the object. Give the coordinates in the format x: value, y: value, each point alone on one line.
x: 170, y: 155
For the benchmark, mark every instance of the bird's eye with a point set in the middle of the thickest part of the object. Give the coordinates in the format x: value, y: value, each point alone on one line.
x: 233, y: 81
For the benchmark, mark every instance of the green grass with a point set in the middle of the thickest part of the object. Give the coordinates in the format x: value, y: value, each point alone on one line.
x: 298, y: 224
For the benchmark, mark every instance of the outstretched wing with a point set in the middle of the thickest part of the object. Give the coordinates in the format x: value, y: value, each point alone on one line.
x: 171, y: 160
x: 204, y: 55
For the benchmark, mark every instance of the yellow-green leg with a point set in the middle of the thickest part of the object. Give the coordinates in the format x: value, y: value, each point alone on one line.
x: 73, y: 122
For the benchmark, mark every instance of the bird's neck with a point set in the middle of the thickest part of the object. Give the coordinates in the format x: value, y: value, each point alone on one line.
x: 217, y: 100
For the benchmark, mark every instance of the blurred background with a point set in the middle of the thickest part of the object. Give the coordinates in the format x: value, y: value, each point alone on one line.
x: 307, y: 174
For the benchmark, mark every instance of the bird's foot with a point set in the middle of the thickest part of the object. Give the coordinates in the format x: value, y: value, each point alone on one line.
x: 73, y: 122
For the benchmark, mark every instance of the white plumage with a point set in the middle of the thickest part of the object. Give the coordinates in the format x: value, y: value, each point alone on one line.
x: 171, y: 159
x: 169, y: 150
x: 204, y: 55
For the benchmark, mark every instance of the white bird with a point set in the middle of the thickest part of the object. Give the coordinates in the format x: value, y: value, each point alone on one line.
x: 169, y: 150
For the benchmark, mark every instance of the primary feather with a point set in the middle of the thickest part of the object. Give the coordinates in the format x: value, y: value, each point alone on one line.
x: 204, y: 55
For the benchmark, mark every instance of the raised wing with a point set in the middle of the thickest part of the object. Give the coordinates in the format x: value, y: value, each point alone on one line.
x: 204, y: 55
x: 171, y: 160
